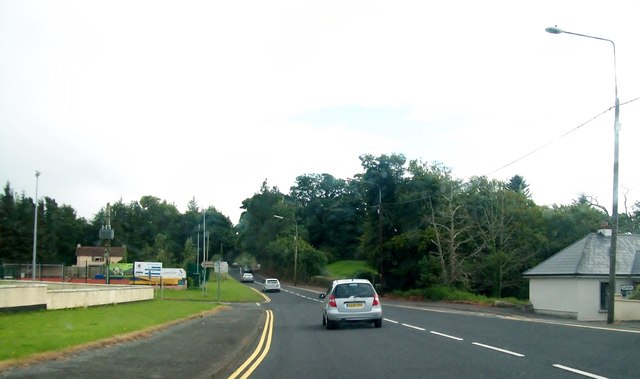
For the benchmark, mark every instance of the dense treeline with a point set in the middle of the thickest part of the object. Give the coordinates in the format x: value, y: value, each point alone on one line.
x: 414, y: 222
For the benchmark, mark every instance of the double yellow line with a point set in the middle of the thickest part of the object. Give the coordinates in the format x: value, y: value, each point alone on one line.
x: 254, y: 360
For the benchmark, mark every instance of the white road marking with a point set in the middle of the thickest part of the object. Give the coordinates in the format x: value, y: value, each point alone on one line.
x: 391, y: 321
x: 447, y: 336
x: 498, y: 349
x: 588, y: 374
x: 413, y: 327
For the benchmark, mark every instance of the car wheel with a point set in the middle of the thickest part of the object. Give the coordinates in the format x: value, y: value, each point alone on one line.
x: 378, y: 323
x: 331, y: 324
x: 324, y: 321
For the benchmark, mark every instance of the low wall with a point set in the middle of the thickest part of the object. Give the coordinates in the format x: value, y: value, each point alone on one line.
x: 17, y: 295
x: 627, y: 310
x: 96, y: 294
x: 30, y: 295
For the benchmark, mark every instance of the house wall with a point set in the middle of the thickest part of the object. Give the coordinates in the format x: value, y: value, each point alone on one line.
x: 578, y: 298
x: 83, y: 261
x: 567, y: 297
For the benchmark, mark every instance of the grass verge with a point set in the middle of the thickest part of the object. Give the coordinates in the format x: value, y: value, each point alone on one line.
x: 443, y: 293
x: 36, y: 335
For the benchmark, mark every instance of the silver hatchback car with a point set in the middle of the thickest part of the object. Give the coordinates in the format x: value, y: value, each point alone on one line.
x: 271, y: 284
x: 351, y: 300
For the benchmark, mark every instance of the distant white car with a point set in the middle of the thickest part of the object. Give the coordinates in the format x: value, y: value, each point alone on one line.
x: 271, y: 284
x: 247, y: 277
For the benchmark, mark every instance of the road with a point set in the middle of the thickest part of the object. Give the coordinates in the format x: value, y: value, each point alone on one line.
x: 422, y: 342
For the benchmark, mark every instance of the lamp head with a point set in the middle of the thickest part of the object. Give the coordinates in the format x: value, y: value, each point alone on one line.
x: 554, y: 30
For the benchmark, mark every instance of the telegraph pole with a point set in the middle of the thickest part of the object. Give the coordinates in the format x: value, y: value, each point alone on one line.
x: 106, y: 235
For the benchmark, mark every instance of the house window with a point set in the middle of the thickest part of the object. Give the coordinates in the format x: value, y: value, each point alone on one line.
x: 97, y: 259
x: 604, y: 292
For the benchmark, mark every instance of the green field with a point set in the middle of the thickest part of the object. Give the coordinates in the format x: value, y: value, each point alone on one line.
x: 348, y: 269
x: 25, y: 334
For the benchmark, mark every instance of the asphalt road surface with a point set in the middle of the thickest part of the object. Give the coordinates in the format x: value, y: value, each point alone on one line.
x: 423, y: 342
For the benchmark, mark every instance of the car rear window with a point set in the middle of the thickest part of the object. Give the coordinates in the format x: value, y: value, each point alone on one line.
x: 353, y: 289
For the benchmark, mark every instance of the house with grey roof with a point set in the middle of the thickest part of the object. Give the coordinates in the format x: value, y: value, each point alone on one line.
x: 573, y: 283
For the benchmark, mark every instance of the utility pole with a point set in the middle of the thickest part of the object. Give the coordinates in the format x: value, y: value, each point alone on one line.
x: 106, y: 235
x: 35, y: 231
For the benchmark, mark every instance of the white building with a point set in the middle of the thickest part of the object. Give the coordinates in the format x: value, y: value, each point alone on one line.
x: 573, y: 283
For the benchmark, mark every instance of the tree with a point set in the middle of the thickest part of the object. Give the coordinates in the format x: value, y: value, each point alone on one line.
x: 379, y: 181
x: 189, y: 253
x: 257, y: 227
x: 450, y: 231
x: 508, y: 226
x: 565, y: 224
x: 328, y: 210
x: 163, y: 252
x: 517, y: 184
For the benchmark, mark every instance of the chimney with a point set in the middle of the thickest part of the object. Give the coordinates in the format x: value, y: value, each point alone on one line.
x: 605, y: 231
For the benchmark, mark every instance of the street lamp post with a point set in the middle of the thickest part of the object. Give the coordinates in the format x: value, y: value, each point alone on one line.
x: 35, y: 231
x: 614, y: 209
x: 295, y: 253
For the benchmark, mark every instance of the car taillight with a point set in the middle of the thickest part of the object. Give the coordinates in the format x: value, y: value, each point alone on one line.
x: 332, y: 301
x: 376, y: 301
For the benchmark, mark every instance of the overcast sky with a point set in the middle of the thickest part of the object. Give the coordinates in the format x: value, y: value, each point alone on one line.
x: 183, y: 99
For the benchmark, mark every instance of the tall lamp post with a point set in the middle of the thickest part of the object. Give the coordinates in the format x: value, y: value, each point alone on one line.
x: 295, y: 253
x: 35, y: 231
x: 614, y: 209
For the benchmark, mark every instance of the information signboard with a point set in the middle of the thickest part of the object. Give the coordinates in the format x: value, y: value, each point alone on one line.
x: 148, y: 269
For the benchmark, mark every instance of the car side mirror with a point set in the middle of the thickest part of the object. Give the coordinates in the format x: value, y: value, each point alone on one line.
x: 321, y: 296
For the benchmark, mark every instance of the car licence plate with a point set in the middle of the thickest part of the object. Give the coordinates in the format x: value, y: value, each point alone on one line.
x: 354, y: 305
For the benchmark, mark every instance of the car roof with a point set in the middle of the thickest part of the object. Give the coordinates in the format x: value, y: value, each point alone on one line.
x: 342, y: 281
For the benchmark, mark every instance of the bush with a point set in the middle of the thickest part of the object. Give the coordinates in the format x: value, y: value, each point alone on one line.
x: 321, y: 281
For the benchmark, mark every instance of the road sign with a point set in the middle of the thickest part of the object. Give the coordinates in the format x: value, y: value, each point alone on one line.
x: 221, y: 267
x: 207, y: 264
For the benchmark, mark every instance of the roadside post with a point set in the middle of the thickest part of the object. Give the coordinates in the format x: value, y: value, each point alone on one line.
x: 106, y: 235
x: 205, y: 265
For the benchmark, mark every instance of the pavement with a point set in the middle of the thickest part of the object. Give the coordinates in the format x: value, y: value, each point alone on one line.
x: 214, y: 345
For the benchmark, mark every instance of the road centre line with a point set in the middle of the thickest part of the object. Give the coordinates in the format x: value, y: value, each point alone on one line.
x: 391, y: 321
x: 413, y: 327
x: 447, y: 336
x: 580, y: 372
x: 498, y: 349
x: 262, y: 345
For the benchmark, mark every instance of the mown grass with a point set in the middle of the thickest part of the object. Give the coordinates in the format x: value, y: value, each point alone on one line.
x: 25, y: 334
x: 348, y: 269
x: 230, y: 291
x: 443, y: 293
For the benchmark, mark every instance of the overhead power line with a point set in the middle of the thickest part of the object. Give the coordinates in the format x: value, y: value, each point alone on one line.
x: 558, y: 138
